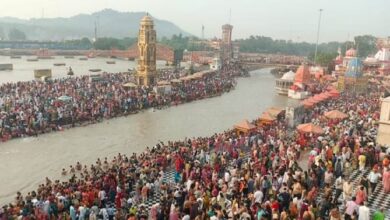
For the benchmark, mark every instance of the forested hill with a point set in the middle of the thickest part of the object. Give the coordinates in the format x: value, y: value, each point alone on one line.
x: 110, y: 23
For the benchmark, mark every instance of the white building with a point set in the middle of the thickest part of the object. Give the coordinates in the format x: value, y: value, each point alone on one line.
x: 383, y: 137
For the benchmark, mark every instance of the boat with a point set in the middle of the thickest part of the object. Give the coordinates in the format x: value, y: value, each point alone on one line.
x: 16, y: 57
x: 32, y: 59
x: 6, y: 66
x: 70, y: 72
x: 95, y: 70
x: 59, y: 64
x: 68, y: 57
x: 83, y: 58
x: 110, y: 62
x: 45, y: 57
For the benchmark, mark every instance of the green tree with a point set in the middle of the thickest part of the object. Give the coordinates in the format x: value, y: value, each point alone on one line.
x: 108, y: 43
x: 16, y: 34
x: 366, y: 45
x: 2, y: 35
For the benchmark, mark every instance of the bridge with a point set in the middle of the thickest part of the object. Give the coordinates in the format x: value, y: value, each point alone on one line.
x: 257, y: 65
x: 162, y: 53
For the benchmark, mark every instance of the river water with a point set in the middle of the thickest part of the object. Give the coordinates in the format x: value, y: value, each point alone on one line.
x: 24, y: 70
x: 24, y: 163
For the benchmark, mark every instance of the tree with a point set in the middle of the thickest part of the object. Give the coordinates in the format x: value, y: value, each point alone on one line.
x: 2, y: 35
x: 366, y: 45
x: 108, y: 43
x: 323, y: 58
x: 16, y: 34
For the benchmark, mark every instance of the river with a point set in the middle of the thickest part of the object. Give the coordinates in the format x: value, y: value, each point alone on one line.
x: 26, y: 162
x: 24, y: 70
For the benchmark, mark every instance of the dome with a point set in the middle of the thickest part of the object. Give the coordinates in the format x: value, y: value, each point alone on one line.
x: 350, y: 53
x: 147, y: 19
x: 355, y: 68
x: 290, y: 75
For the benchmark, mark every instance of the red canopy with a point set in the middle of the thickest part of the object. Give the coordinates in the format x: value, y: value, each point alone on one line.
x: 335, y: 114
x: 310, y: 128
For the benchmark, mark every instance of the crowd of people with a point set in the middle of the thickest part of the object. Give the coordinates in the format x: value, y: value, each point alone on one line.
x: 35, y: 107
x: 229, y: 175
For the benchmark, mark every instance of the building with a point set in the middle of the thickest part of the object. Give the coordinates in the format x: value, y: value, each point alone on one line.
x: 383, y: 137
x: 226, y: 46
x: 216, y: 64
x: 284, y: 83
x: 146, y: 71
x: 353, y: 79
x: 302, y: 78
x: 227, y: 30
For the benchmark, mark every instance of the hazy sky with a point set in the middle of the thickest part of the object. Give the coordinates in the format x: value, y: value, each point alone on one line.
x: 283, y: 19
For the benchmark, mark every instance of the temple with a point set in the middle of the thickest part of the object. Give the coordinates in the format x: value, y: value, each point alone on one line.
x: 146, y: 72
x: 353, y: 79
x: 302, y: 78
x: 226, y: 46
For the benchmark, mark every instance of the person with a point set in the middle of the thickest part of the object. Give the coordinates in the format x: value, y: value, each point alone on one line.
x: 379, y: 215
x: 373, y: 178
x: 362, y: 162
x: 351, y: 209
x: 364, y: 212
x: 339, y: 187
x: 361, y: 195
x: 386, y: 180
x: 347, y: 190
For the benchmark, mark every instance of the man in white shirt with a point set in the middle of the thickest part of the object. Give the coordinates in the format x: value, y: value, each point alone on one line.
x: 373, y: 178
x: 364, y: 212
x: 258, y: 196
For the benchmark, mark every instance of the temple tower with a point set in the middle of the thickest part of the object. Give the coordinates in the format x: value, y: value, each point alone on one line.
x: 226, y: 44
x: 146, y: 72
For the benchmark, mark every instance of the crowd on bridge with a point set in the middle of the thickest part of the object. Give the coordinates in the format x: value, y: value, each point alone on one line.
x: 34, y: 107
x: 231, y: 175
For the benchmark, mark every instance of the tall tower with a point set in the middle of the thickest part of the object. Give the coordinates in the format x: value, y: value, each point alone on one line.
x: 146, y: 72
x: 226, y: 44
x: 227, y: 34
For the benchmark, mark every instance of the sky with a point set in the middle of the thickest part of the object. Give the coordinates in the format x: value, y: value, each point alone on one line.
x: 295, y: 20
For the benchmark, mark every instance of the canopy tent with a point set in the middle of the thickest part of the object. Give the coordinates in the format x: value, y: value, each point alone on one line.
x: 266, y: 118
x: 129, y: 85
x: 175, y: 81
x: 244, y: 127
x: 318, y: 98
x: 325, y: 95
x: 312, y: 100
x: 275, y: 111
x: 270, y: 115
x: 310, y: 128
x: 163, y: 83
x: 334, y: 93
x: 307, y: 104
x: 65, y: 98
x: 335, y: 114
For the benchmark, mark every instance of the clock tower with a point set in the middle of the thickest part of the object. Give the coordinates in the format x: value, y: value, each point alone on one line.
x: 146, y: 71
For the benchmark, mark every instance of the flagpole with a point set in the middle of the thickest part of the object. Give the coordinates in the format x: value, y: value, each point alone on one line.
x: 318, y: 36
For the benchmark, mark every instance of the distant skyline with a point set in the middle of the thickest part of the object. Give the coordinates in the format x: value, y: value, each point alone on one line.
x: 280, y: 19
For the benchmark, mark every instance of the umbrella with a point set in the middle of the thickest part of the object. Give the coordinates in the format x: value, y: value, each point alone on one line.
x: 129, y: 85
x: 335, y: 114
x: 310, y: 128
x: 307, y: 104
x: 334, y: 93
x: 65, y: 98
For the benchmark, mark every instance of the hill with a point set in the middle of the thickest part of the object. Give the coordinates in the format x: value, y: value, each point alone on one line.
x: 110, y: 23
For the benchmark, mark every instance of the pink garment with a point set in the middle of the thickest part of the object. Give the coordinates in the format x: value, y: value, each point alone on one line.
x: 386, y: 181
x: 360, y: 197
